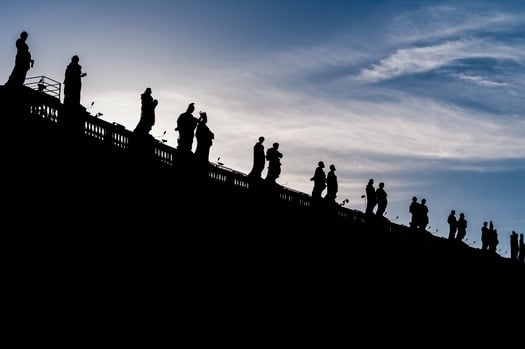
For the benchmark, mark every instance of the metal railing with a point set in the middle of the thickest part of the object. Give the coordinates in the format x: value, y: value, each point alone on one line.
x: 45, y: 85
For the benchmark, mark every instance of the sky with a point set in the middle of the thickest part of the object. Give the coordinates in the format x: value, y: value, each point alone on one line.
x: 425, y: 96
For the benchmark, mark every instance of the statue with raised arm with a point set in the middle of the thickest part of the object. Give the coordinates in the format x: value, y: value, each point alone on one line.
x: 73, y: 82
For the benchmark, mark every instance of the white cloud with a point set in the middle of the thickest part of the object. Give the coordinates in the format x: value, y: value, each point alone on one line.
x: 438, y: 22
x: 479, y: 80
x: 420, y: 59
x: 412, y: 60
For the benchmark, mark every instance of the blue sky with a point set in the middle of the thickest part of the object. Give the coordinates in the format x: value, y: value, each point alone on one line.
x: 425, y: 96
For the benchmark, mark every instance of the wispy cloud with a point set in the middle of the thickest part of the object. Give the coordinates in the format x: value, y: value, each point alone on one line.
x: 413, y: 60
x: 439, y: 22
x: 479, y: 80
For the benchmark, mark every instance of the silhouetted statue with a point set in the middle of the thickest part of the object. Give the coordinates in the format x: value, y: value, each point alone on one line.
x: 23, y: 62
x: 462, y: 227
x: 331, y: 186
x: 274, y: 163
x: 514, y: 245
x: 259, y: 160
x: 493, y: 238
x: 73, y: 82
x: 381, y: 200
x: 485, y: 237
x: 204, y: 139
x: 147, y: 115
x: 452, y: 225
x: 186, y: 124
x: 423, y: 215
x: 413, y: 209
x: 371, y: 199
x: 319, y: 179
x: 521, y: 254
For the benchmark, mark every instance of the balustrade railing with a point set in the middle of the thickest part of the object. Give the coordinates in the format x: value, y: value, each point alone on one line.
x: 44, y: 111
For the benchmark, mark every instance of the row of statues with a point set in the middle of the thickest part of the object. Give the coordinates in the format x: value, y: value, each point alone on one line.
x: 187, y: 125
x: 272, y: 155
x: 190, y: 127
